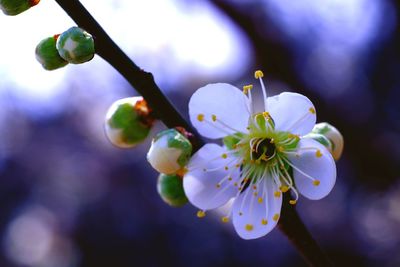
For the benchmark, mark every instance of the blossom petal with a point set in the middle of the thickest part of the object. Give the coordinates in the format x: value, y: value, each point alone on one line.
x: 217, y: 110
x: 206, y: 170
x: 253, y: 218
x: 316, y: 163
x: 292, y: 112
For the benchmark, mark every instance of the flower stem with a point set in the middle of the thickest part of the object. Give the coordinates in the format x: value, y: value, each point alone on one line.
x: 289, y: 223
x: 293, y: 227
x: 141, y: 80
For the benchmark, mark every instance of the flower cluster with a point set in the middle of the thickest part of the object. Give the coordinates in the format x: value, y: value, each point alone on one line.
x: 265, y: 153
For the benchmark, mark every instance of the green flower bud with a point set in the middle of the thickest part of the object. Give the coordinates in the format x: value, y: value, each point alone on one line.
x: 76, y: 46
x: 170, y: 188
x: 128, y: 122
x: 47, y: 54
x: 169, y: 152
x: 15, y: 7
x: 334, y: 136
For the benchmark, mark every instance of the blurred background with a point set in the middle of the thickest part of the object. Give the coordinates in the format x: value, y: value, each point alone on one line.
x: 69, y: 198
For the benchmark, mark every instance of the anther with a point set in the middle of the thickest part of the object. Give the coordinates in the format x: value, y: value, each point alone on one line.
x: 224, y: 156
x: 284, y: 188
x: 258, y: 74
x: 312, y: 110
x: 276, y: 217
x: 217, y: 185
x: 264, y: 222
x: 200, y: 117
x: 318, y: 154
x: 247, y: 88
x: 225, y: 219
x: 292, y: 202
x: 316, y: 182
x: 226, y: 168
x: 230, y: 179
x: 277, y: 194
x: 201, y: 214
x: 214, y: 117
x: 260, y: 200
x: 249, y: 227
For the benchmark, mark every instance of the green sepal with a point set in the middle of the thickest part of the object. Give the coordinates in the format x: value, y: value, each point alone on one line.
x: 129, y: 121
x: 230, y: 141
x: 320, y: 138
x: 170, y: 188
x: 76, y: 45
x: 47, y: 54
x: 15, y: 7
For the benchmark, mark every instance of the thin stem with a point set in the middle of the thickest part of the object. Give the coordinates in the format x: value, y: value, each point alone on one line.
x: 289, y: 223
x: 141, y: 80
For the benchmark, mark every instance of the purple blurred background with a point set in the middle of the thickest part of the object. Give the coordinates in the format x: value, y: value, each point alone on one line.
x: 69, y: 198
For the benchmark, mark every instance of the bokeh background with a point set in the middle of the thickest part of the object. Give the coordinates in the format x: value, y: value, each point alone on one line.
x: 69, y: 198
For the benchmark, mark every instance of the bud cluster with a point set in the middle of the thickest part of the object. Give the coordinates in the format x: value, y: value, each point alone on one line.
x: 73, y: 46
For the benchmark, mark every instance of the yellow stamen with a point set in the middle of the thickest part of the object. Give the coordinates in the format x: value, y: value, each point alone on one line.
x: 276, y: 217
x: 316, y: 182
x: 292, y: 202
x: 258, y: 74
x: 277, y: 194
x: 200, y: 117
x: 247, y: 88
x: 284, y: 188
x: 266, y: 114
x: 226, y: 168
x: 225, y: 219
x: 224, y: 156
x: 217, y: 185
x: 201, y: 214
x: 249, y: 227
x: 312, y: 110
x: 260, y: 200
x: 318, y: 154
x: 230, y: 179
x: 264, y: 222
x: 214, y: 117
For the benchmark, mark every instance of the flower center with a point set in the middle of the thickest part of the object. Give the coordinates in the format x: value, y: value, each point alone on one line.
x: 264, y: 149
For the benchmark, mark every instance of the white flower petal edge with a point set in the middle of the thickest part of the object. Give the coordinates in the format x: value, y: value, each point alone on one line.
x: 219, y: 109
x: 292, y: 112
x: 207, y: 183
x: 313, y: 163
x: 255, y: 216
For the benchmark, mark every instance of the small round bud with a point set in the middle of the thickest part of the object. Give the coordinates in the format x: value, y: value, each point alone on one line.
x: 170, y: 188
x: 169, y: 152
x: 47, y: 54
x: 76, y: 46
x: 15, y: 7
x: 128, y: 122
x: 333, y: 135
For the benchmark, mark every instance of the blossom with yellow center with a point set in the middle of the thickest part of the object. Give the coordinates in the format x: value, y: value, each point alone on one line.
x: 264, y: 155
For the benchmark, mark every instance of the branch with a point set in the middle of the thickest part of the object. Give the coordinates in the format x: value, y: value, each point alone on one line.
x: 141, y: 80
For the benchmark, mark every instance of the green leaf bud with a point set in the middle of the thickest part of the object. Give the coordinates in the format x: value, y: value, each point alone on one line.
x: 334, y: 136
x: 128, y: 122
x: 47, y: 54
x: 169, y: 152
x: 170, y: 188
x: 76, y: 46
x: 15, y: 7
